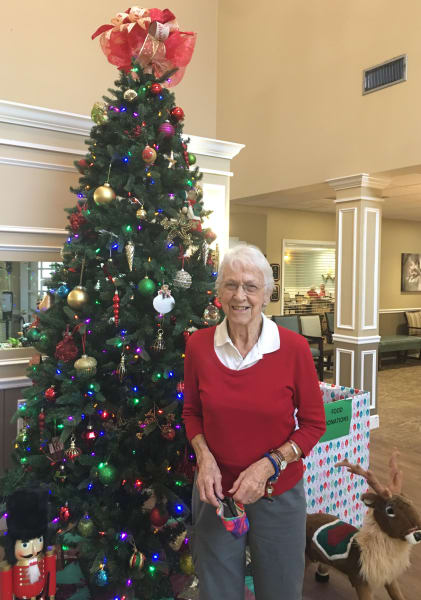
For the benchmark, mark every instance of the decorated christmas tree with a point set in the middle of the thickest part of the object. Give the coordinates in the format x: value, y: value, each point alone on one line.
x: 102, y: 421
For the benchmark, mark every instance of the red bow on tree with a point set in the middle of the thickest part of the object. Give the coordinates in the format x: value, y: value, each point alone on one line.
x: 151, y: 36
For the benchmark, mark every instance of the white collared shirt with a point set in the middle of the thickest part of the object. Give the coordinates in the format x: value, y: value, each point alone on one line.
x: 230, y: 356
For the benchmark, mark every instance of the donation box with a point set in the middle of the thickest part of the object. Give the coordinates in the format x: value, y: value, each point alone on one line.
x: 330, y: 489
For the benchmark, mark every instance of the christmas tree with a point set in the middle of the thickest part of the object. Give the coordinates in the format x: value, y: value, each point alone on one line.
x: 102, y: 421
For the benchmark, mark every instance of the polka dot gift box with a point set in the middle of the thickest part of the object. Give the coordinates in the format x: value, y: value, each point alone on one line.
x: 334, y: 490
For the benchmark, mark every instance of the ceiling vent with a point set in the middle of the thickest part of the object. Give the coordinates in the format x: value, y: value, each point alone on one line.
x: 388, y: 73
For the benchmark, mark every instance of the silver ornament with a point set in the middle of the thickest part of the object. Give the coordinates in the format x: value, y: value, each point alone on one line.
x: 182, y: 279
x: 122, y: 367
x: 159, y: 343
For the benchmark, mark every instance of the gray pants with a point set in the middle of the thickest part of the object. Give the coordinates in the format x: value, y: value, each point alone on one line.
x: 276, y: 539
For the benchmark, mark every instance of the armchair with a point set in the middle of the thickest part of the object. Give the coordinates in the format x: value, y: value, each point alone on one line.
x: 311, y: 325
x: 292, y: 322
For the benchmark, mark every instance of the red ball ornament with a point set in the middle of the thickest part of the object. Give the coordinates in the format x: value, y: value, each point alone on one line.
x: 217, y: 303
x: 156, y: 88
x: 186, y: 336
x: 50, y: 394
x: 64, y: 513
x: 177, y: 113
x: 167, y: 129
x: 157, y: 518
x: 149, y: 155
x: 210, y: 236
x: 82, y: 165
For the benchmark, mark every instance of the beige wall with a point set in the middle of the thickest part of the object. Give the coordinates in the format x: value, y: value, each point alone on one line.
x: 267, y: 228
x: 273, y: 225
x: 295, y: 76
x: 49, y: 59
x: 250, y: 228
x: 397, y: 237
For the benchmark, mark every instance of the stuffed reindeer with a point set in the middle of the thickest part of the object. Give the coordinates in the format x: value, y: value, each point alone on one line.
x: 378, y: 553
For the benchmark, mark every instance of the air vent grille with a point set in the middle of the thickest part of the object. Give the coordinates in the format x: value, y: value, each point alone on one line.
x: 388, y: 73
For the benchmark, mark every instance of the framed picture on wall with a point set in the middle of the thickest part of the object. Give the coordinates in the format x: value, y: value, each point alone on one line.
x: 410, y: 272
x: 275, y: 294
x: 276, y: 270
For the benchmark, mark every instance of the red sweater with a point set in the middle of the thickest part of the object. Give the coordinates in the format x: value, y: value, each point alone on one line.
x: 245, y: 413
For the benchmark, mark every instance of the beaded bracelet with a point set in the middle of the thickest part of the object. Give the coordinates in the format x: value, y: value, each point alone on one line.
x: 275, y: 476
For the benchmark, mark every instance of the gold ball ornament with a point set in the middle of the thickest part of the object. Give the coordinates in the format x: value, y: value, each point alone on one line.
x: 77, y: 298
x: 186, y: 563
x: 99, y: 113
x: 85, y: 366
x: 149, y: 155
x: 130, y: 95
x: 104, y: 194
x: 141, y: 214
x: 85, y: 526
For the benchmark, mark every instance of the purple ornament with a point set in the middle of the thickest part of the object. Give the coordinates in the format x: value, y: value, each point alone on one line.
x: 167, y: 129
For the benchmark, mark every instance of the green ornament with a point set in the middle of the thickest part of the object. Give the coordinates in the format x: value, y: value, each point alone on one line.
x: 99, y: 113
x: 146, y: 286
x: 43, y: 341
x: 85, y: 526
x: 106, y: 473
x: 33, y: 334
x: 192, y: 158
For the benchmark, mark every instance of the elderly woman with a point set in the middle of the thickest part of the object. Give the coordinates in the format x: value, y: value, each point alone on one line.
x: 252, y: 409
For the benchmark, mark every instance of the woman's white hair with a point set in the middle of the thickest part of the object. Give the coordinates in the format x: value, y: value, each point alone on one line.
x: 246, y: 255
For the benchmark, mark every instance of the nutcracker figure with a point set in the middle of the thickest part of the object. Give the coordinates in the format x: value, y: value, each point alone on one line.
x: 29, y: 571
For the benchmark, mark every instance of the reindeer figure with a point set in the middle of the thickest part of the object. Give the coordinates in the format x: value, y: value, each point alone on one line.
x: 378, y: 553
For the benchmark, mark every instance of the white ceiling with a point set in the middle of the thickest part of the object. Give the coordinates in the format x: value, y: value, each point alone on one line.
x: 401, y: 198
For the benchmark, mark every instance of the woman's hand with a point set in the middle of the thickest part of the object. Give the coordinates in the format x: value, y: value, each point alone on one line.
x: 209, y: 480
x: 209, y: 477
x: 250, y: 485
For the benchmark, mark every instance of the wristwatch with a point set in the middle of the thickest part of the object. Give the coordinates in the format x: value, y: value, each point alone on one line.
x: 281, y: 460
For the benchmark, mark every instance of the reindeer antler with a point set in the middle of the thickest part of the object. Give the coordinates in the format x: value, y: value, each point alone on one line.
x: 368, y: 475
x: 396, y: 475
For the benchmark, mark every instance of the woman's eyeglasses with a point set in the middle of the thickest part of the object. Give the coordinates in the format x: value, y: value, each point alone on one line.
x: 248, y: 288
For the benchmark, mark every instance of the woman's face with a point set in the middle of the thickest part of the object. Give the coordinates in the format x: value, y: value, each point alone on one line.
x: 242, y: 294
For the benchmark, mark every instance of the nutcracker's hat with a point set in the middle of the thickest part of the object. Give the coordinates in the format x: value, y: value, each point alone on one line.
x: 27, y: 513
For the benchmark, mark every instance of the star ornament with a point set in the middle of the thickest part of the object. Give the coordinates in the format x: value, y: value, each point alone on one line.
x: 177, y: 228
x: 171, y: 160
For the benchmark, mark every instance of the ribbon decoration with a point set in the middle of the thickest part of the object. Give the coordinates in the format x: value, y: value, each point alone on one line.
x: 152, y: 37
